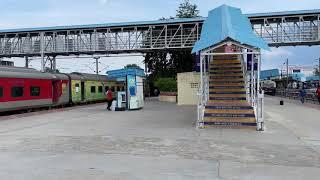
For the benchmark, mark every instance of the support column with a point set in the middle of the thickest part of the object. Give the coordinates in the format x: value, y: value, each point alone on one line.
x: 42, y: 51
x: 26, y: 62
x: 54, y: 64
x: 97, y: 64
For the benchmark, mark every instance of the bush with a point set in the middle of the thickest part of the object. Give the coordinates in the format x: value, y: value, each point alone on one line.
x: 166, y: 84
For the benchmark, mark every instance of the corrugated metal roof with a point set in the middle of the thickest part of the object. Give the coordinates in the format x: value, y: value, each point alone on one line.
x: 106, y: 25
x: 284, y: 13
x: 226, y: 22
x: 157, y: 22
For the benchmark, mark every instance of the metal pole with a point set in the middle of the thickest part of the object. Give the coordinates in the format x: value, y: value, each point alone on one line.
x: 26, y: 62
x: 42, y: 51
x: 287, y: 75
x: 54, y: 63
x: 97, y: 64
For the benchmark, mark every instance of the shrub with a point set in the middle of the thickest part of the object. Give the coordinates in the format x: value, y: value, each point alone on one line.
x: 166, y: 84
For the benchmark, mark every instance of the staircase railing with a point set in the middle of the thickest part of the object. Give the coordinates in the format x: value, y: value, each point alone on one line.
x: 203, y: 93
x: 255, y: 95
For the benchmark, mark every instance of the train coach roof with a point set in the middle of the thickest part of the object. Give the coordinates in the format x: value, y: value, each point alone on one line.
x: 20, y: 72
x: 86, y: 76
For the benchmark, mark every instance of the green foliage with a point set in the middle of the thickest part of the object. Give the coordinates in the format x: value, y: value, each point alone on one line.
x: 187, y: 10
x: 131, y: 66
x: 167, y: 84
x: 316, y: 71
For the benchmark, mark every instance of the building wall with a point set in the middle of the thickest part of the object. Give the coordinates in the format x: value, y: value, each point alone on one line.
x: 188, y: 85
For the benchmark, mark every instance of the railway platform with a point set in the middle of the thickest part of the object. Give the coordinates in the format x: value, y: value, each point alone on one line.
x: 158, y: 142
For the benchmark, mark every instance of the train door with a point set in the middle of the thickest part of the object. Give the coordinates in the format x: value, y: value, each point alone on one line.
x: 82, y: 91
x: 56, y: 91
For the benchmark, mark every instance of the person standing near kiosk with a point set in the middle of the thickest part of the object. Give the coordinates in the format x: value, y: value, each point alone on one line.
x: 109, y: 98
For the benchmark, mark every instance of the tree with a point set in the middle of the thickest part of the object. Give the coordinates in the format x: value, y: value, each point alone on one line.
x: 316, y: 72
x: 187, y: 10
x: 166, y: 64
x: 132, y: 66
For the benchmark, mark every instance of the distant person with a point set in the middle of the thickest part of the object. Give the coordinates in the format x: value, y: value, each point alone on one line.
x: 109, y: 99
x: 318, y: 93
x: 302, y: 95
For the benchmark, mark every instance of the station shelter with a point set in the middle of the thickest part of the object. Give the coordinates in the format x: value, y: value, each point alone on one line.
x: 132, y: 98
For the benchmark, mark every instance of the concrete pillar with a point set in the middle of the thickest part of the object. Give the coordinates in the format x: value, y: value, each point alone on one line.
x: 26, y: 61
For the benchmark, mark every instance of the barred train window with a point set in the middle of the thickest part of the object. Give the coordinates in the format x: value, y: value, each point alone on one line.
x: 93, y: 89
x: 100, y: 89
x: 34, y: 91
x: 17, y: 91
x: 1, y: 92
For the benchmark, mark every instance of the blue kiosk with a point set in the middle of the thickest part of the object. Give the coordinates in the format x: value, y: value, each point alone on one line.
x: 133, y: 96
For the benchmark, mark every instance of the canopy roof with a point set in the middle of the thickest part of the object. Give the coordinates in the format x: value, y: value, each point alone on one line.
x: 226, y: 22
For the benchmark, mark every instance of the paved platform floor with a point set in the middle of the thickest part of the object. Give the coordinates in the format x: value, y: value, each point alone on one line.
x: 158, y: 142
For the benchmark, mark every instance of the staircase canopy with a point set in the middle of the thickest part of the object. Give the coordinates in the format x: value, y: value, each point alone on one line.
x: 226, y: 22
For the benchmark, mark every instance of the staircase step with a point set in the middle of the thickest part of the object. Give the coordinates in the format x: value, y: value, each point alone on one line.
x: 229, y: 115
x: 227, y: 101
x: 229, y: 111
x: 229, y: 95
x: 226, y: 72
x: 228, y: 92
x: 230, y: 119
x: 219, y: 68
x: 226, y: 75
x: 224, y: 57
x: 227, y: 98
x: 226, y: 87
x: 230, y: 125
x: 230, y: 80
x: 221, y: 84
x: 230, y: 107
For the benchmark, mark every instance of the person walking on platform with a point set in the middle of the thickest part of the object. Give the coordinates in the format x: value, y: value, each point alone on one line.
x: 109, y: 99
x: 318, y: 93
x: 302, y: 94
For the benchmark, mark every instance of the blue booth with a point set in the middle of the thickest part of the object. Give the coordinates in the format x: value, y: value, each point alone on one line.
x: 133, y: 96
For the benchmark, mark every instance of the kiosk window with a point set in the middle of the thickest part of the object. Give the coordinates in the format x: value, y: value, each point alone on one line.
x: 93, y: 89
x: 1, y: 92
x: 100, y: 89
x: 34, y: 91
x: 17, y: 91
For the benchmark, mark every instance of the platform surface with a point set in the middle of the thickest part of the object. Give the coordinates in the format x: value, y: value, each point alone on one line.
x: 159, y: 142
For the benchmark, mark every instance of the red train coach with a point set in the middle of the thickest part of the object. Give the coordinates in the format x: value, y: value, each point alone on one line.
x: 23, y: 88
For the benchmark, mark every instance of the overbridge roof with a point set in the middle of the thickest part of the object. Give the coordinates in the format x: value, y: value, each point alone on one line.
x: 157, y: 22
x: 226, y: 22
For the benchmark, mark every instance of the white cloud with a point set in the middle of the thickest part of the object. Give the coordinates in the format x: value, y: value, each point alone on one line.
x: 276, y: 52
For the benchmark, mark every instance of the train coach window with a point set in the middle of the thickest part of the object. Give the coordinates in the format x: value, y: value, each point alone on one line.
x: 34, y: 91
x: 118, y: 88
x: 106, y: 88
x: 17, y: 91
x: 100, y: 89
x: 93, y: 89
x: 112, y: 89
x: 1, y: 92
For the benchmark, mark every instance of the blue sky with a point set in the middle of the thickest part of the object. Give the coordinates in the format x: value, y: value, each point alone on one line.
x: 35, y: 13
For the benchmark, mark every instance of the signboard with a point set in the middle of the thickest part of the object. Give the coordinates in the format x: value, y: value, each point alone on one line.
x: 197, y: 60
x: 250, y: 57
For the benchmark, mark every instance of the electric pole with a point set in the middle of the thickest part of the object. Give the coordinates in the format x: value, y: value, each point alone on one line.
x: 287, y: 75
x: 97, y: 64
x: 318, y: 72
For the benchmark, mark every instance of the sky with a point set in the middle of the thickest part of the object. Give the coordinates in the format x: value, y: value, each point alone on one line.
x: 38, y: 13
